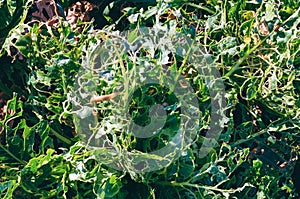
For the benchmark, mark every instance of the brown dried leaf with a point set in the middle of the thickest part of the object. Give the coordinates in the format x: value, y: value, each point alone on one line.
x: 263, y: 28
x: 47, y: 12
x: 79, y: 11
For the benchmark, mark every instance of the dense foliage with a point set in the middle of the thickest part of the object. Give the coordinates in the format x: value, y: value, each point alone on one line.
x: 255, y: 47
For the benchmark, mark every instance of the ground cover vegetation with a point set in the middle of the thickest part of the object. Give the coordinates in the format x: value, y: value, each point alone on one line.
x: 255, y: 47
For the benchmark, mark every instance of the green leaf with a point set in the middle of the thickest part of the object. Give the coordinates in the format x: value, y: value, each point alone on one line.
x: 133, y: 36
x: 7, y: 188
x: 35, y: 163
x: 270, y: 11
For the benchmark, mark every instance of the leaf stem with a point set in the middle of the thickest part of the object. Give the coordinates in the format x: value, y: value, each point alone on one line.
x: 201, y: 7
x: 214, y: 188
x: 12, y: 155
x: 64, y: 82
x: 241, y: 60
x: 59, y: 136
